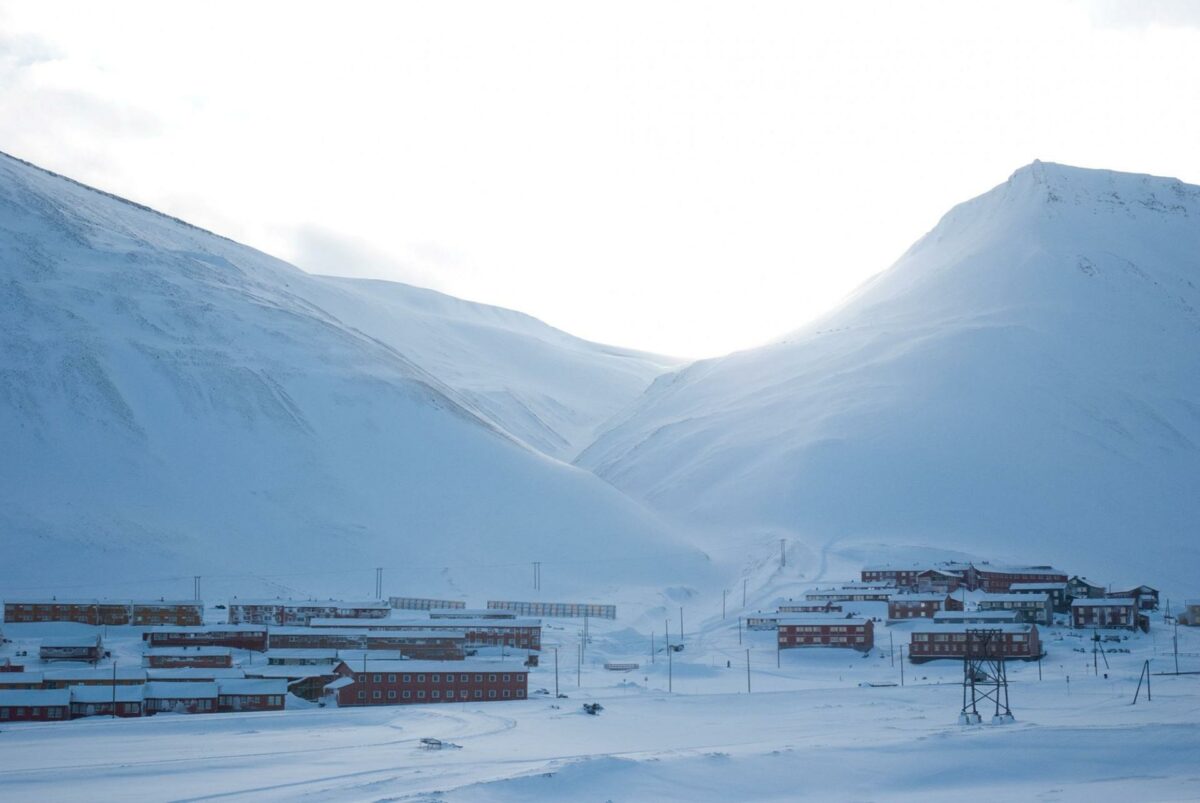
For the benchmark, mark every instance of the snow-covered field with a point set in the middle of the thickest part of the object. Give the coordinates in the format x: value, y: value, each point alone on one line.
x: 810, y: 729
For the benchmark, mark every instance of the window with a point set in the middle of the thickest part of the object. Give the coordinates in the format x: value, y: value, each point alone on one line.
x: 379, y: 678
x: 479, y: 678
x: 362, y: 678
x: 507, y: 678
x: 376, y: 695
x: 507, y: 693
x: 435, y: 694
x: 407, y: 694
x: 491, y: 694
x: 492, y: 678
x: 420, y: 678
x: 464, y: 678
x: 520, y: 692
x: 391, y: 695
x: 408, y: 678
x: 449, y: 694
x: 478, y: 694
x: 391, y: 678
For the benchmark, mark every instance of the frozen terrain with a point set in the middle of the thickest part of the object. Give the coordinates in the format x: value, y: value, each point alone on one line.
x: 176, y: 404
x: 811, y: 729
x: 1023, y: 382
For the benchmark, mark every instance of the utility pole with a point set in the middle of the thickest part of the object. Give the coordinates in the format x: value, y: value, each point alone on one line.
x: 1175, y: 638
x: 747, y: 670
x: 670, y: 668
x: 537, y: 575
x: 892, y: 649
x: 724, y: 596
x: 379, y: 582
x: 196, y: 587
x: 739, y: 631
x: 777, y: 651
x: 782, y: 553
x: 114, y: 691
x: 901, y: 664
x: 579, y: 666
x: 651, y: 646
x: 556, y: 673
x: 744, y: 582
x: 680, y: 624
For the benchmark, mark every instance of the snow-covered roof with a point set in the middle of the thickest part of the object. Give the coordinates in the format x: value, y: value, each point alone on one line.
x: 433, y: 630
x: 71, y: 641
x: 373, y: 655
x: 1038, y: 586
x: 954, y: 627
x: 157, y: 690
x: 1104, y: 602
x: 252, y: 686
x: 999, y: 616
x: 340, y: 683
x: 34, y: 697
x: 902, y: 598
x: 312, y: 603
x: 97, y: 673
x: 1024, y: 598
x: 311, y: 654
x: 438, y: 666
x: 185, y: 673
x: 104, y: 694
x: 207, y: 629
x: 189, y: 652
x: 289, y: 671
x: 836, y: 619
x: 86, y: 602
x: 14, y: 678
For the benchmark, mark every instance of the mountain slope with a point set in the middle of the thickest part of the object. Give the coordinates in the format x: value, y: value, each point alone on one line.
x: 548, y: 388
x: 173, y: 403
x: 1022, y: 383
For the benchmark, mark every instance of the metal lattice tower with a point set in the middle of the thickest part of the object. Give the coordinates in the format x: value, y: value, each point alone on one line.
x: 985, y: 681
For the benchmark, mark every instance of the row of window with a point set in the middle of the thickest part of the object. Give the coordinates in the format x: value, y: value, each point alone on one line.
x: 19, y: 713
x: 830, y: 640
x: 821, y: 629
x: 437, y: 678
x: 940, y: 637
x: 437, y: 695
x: 252, y: 699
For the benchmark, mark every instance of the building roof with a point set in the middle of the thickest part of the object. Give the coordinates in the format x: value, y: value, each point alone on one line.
x: 34, y: 697
x: 188, y: 673
x: 71, y: 641
x: 467, y: 612
x: 1103, y: 602
x: 97, y: 673
x: 901, y: 598
x: 371, y: 655
x: 180, y: 691
x: 954, y: 627
x: 311, y: 603
x: 207, y: 629
x: 821, y: 620
x: 328, y: 655
x: 189, y: 652
x: 1000, y: 568
x: 85, y: 602
x: 252, y: 686
x: 1026, y: 598
x: 1038, y: 587
x: 1190, y: 602
x: 104, y: 694
x: 384, y: 623
x: 15, y: 678
x: 364, y: 630
x: 438, y: 666
x: 340, y: 683
x: 290, y: 671
x: 998, y: 615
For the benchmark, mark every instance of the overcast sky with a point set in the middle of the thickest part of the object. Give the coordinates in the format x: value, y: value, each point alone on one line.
x: 684, y: 177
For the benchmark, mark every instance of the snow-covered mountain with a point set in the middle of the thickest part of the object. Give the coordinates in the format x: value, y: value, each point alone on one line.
x: 173, y: 403
x: 1023, y: 383
x: 542, y: 385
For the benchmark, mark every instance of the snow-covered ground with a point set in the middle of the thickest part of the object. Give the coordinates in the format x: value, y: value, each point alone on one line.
x: 811, y: 728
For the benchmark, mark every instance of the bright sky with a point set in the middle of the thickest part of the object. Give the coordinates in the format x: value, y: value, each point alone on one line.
x: 687, y: 178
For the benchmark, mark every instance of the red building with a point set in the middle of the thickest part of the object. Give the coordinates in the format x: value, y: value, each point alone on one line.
x: 427, y: 645
x: 98, y: 701
x: 1118, y: 613
x: 8, y: 666
x: 921, y: 606
x: 257, y: 694
x: 416, y: 682
x: 1006, y: 641
x: 812, y: 631
x: 996, y: 579
x: 301, y: 612
x: 105, y: 612
x: 238, y: 637
x: 168, y: 657
x: 181, y: 698
x: 35, y: 705
x: 523, y: 634
x: 809, y: 607
x: 20, y: 680
x: 71, y: 648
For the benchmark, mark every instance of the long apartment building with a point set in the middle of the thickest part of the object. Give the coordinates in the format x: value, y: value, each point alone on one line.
x: 301, y: 612
x: 143, y: 613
